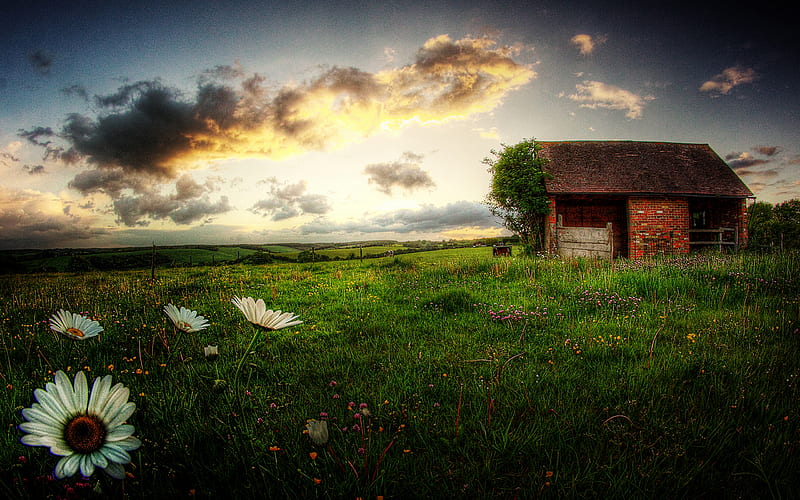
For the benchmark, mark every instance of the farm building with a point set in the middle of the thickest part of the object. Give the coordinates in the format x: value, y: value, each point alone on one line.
x: 636, y: 199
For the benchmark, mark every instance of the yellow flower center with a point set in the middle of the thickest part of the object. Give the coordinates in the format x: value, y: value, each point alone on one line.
x: 182, y: 325
x: 75, y: 332
x: 85, y: 434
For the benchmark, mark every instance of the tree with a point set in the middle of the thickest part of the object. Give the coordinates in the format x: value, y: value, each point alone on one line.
x: 787, y: 222
x: 777, y: 226
x: 518, y: 193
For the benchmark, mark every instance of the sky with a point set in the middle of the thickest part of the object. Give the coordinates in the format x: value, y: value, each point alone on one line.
x: 204, y: 122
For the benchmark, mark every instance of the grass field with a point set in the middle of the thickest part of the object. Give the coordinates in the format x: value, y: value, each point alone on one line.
x: 441, y: 374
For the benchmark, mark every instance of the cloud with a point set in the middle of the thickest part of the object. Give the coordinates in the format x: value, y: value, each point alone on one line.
x: 34, y: 169
x: 31, y: 219
x: 189, y: 203
x: 743, y: 160
x: 490, y: 133
x: 586, y: 44
x: 290, y: 200
x: 77, y: 91
x: 405, y: 173
x: 731, y: 77
x: 148, y: 127
x: 8, y: 154
x: 768, y: 150
x: 759, y: 174
x: 425, y: 219
x: 389, y: 55
x: 45, y: 138
x: 739, y: 161
x: 593, y: 95
x: 146, y: 134
x: 41, y: 61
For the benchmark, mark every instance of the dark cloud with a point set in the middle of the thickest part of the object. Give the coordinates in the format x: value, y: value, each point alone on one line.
x: 757, y: 173
x: 222, y: 72
x: 45, y: 138
x: 290, y: 200
x: 76, y: 91
x: 34, y: 169
x: 35, y: 135
x: 111, y: 181
x: 426, y: 219
x: 405, y: 173
x: 768, y: 150
x: 741, y: 161
x: 41, y: 60
x: 138, y: 201
x: 143, y: 139
x: 140, y: 210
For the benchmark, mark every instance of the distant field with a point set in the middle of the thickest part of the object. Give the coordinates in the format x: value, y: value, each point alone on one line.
x: 130, y: 259
x: 351, y: 252
x: 76, y: 260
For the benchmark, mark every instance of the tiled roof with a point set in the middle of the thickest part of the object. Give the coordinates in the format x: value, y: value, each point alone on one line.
x: 631, y: 167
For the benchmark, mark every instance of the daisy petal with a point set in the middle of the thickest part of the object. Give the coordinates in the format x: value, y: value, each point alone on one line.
x: 87, y: 466
x: 115, y: 470
x: 115, y: 453
x: 67, y: 466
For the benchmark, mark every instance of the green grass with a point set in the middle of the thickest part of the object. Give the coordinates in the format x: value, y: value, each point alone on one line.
x: 482, y: 377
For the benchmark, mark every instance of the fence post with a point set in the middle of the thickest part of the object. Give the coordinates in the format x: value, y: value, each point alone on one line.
x: 153, y: 263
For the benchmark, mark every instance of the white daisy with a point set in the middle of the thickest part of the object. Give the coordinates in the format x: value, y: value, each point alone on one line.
x: 257, y: 313
x: 211, y: 351
x: 87, y: 430
x: 185, y: 320
x: 74, y: 325
x: 318, y: 431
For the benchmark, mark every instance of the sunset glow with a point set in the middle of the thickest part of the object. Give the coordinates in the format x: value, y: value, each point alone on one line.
x: 268, y: 123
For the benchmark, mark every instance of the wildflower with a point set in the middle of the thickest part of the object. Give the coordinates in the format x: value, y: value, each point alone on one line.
x: 185, y: 320
x: 257, y: 313
x: 211, y: 351
x: 313, y: 455
x: 74, y: 326
x: 86, y: 429
x: 318, y: 431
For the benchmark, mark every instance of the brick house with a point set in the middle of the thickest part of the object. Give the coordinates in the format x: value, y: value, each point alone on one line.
x: 649, y: 197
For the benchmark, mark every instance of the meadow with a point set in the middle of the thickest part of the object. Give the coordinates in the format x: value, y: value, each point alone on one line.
x: 440, y: 374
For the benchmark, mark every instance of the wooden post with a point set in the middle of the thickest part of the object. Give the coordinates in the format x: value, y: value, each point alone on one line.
x: 153, y: 264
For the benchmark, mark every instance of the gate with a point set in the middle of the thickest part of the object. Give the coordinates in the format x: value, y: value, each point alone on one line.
x: 592, y: 242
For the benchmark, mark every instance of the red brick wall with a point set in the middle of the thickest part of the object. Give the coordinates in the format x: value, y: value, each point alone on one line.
x: 657, y: 225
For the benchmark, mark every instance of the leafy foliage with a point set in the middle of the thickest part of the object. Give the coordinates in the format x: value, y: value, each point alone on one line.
x: 774, y: 226
x: 517, y: 194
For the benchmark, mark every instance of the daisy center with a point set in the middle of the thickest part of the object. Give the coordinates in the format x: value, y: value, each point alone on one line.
x: 75, y: 332
x: 182, y: 325
x: 85, y: 434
